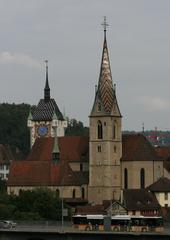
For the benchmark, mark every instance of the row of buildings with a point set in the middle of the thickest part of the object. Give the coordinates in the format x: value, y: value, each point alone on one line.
x: 106, y: 167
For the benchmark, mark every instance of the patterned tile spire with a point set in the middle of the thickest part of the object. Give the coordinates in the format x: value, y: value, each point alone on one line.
x: 105, y: 86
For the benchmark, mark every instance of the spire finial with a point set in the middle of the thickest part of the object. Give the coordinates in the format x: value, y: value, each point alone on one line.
x: 105, y: 24
x: 46, y: 89
x: 46, y: 63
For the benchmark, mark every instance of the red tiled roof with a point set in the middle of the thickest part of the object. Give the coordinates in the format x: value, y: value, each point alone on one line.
x: 96, y: 209
x: 29, y: 173
x: 135, y: 147
x: 72, y: 148
x: 163, y: 151
x: 39, y: 169
x: 41, y: 150
x: 162, y: 185
x: 140, y: 199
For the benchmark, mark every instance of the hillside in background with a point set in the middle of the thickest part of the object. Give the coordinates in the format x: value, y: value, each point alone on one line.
x: 13, y: 126
x: 14, y: 131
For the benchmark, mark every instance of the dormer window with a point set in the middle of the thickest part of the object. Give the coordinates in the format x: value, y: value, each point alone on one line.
x: 56, y: 157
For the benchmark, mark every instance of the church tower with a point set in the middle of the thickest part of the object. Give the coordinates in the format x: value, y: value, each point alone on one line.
x: 105, y: 137
x: 46, y: 120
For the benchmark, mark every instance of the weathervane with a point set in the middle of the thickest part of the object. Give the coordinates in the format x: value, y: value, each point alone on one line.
x: 105, y: 24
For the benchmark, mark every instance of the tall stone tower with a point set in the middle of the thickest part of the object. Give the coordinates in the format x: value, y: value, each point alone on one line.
x: 105, y: 137
x: 46, y: 120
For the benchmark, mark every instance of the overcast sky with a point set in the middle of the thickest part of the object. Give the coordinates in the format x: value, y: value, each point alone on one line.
x: 69, y: 34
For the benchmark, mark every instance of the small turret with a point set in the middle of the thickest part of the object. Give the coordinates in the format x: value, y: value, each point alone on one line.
x: 29, y: 119
x: 55, y: 120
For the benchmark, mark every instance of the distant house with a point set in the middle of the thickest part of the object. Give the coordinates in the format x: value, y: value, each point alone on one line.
x: 141, y: 202
x: 164, y: 152
x: 6, y: 157
x: 161, y: 189
x: 107, y: 208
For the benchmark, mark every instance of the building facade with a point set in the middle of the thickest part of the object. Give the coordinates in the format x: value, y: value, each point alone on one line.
x: 105, y: 144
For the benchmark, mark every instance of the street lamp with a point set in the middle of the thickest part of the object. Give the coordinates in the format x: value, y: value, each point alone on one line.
x: 62, y: 216
x: 62, y: 204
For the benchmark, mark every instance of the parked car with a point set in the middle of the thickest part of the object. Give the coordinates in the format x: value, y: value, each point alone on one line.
x: 5, y: 224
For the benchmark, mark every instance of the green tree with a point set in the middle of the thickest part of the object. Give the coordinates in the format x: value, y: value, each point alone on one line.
x: 76, y: 128
x: 40, y: 203
x: 13, y: 126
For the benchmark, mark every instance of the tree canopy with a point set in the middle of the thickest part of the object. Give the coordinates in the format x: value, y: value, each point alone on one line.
x: 38, y: 204
x: 13, y: 126
x: 14, y: 130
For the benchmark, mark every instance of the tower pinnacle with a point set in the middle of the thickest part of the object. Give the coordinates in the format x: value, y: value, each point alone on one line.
x: 47, y: 88
x: 105, y: 25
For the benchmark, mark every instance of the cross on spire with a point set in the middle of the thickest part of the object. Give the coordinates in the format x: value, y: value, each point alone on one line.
x: 46, y: 63
x: 105, y: 24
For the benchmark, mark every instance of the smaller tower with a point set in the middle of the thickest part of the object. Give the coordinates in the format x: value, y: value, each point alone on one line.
x: 46, y: 120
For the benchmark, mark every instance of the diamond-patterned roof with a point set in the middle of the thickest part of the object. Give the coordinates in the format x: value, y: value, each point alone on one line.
x: 45, y: 111
x: 105, y: 87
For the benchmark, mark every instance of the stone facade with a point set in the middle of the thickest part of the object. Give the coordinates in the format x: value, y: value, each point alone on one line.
x: 63, y: 191
x: 105, y: 146
x: 153, y: 170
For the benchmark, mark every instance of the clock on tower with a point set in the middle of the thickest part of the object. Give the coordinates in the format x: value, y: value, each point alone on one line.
x: 42, y: 130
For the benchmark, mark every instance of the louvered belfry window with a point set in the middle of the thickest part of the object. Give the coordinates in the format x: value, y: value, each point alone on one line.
x: 100, y: 130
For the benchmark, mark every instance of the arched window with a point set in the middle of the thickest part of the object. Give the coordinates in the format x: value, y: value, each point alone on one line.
x: 57, y: 193
x: 81, y: 167
x: 114, y: 129
x: 125, y: 178
x: 142, y: 178
x: 74, y: 193
x: 82, y: 193
x: 99, y: 130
